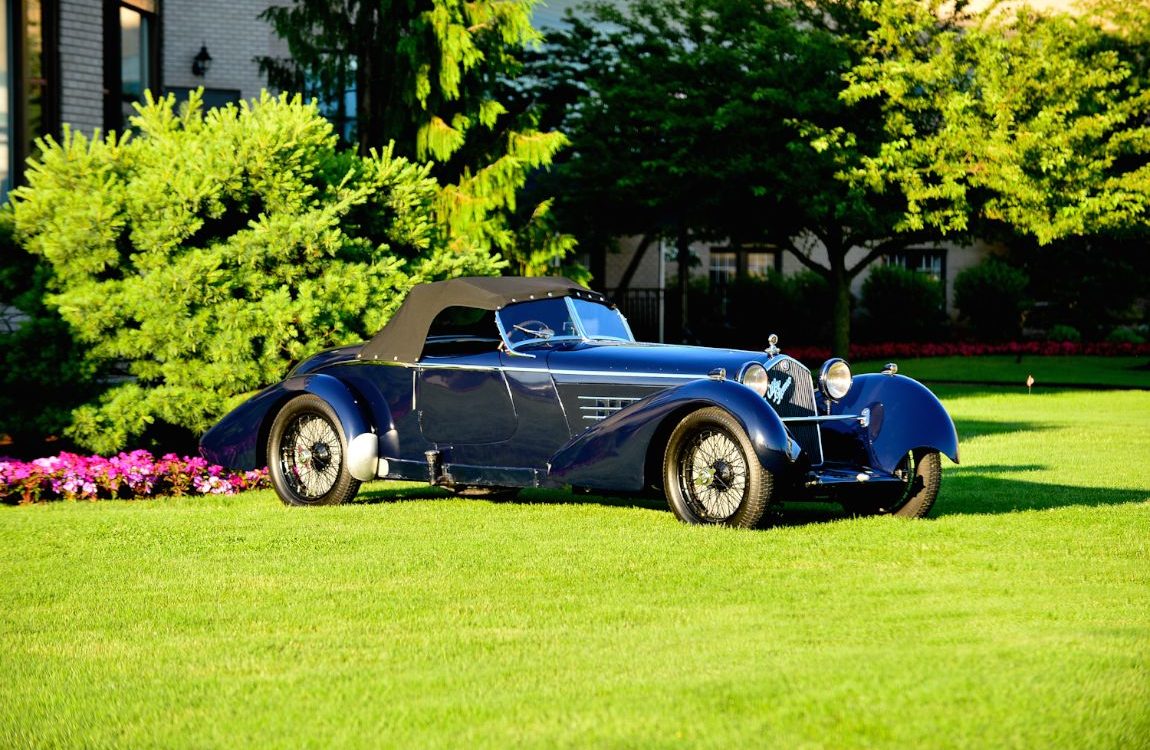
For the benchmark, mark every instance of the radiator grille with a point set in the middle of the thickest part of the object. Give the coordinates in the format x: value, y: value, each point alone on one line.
x: 791, y: 393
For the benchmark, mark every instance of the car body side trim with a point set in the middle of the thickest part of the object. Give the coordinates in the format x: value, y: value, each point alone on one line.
x: 595, y: 373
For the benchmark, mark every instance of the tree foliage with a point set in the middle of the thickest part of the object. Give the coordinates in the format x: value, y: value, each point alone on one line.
x: 432, y: 77
x: 211, y: 251
x: 1038, y: 122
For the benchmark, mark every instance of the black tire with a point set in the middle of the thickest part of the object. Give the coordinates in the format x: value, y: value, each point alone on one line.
x: 921, y: 470
x: 711, y: 474
x: 307, y: 454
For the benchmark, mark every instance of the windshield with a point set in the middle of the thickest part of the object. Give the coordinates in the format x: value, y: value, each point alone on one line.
x: 601, y: 322
x: 537, y: 321
x: 562, y: 318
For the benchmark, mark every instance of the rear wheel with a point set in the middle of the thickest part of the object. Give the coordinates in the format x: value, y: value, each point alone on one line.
x: 711, y: 474
x: 307, y: 454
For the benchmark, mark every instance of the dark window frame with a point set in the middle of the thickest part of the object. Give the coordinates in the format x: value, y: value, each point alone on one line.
x: 22, y: 143
x: 113, y: 74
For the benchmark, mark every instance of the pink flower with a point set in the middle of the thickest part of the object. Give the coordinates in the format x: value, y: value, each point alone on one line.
x: 137, y: 474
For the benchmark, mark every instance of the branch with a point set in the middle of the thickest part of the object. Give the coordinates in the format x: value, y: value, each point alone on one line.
x: 789, y: 246
x: 894, y: 243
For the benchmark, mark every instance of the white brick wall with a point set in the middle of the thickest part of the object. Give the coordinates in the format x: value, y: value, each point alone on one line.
x: 233, y: 35
x: 82, y: 64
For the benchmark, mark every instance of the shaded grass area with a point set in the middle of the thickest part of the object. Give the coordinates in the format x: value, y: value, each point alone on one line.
x: 1128, y: 372
x: 1017, y: 616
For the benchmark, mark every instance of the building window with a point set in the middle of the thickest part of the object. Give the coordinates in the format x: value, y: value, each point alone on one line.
x: 929, y: 262
x: 724, y: 267
x: 728, y: 264
x: 760, y: 263
x: 131, y: 59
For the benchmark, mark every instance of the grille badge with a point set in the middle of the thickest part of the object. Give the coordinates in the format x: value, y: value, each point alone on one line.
x: 777, y: 390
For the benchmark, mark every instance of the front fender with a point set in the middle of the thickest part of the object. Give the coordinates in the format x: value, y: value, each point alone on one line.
x: 612, y: 454
x: 904, y: 415
x: 237, y: 441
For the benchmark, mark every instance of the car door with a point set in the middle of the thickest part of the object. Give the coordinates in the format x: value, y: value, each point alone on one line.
x: 464, y: 400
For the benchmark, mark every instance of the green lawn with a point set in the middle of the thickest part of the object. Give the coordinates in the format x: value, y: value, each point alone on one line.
x: 1017, y: 616
x: 1126, y: 372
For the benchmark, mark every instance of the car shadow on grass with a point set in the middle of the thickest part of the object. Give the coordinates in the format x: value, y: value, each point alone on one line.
x: 977, y: 491
x: 382, y: 493
x: 972, y: 428
x: 980, y: 490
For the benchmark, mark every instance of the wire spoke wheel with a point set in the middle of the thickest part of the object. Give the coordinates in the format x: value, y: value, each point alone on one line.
x: 307, y: 454
x: 310, y: 456
x: 711, y: 474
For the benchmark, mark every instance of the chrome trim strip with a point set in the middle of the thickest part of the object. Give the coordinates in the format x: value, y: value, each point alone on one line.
x: 606, y: 406
x: 597, y: 373
x: 835, y: 418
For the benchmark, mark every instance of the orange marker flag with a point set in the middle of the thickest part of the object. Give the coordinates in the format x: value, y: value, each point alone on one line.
x: 1029, y: 383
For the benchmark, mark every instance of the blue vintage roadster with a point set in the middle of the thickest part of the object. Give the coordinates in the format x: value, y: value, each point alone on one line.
x: 486, y: 385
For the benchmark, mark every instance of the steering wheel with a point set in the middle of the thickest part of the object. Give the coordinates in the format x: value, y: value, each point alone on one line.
x: 540, y: 332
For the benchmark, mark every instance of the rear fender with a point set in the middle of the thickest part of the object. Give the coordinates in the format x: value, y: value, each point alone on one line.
x: 612, y: 454
x: 904, y: 415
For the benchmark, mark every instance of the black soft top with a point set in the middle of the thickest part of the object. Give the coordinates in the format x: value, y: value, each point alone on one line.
x: 402, y: 339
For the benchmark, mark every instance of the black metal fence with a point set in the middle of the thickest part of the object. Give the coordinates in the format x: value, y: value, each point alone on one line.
x: 641, y: 307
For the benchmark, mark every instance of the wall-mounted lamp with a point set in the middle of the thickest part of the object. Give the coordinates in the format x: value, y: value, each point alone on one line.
x: 201, y: 62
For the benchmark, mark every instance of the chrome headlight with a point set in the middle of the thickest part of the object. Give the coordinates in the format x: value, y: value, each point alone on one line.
x: 835, y: 379
x: 754, y: 376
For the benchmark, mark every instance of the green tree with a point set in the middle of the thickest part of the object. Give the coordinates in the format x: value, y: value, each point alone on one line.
x: 432, y: 77
x: 844, y: 130
x: 207, y: 253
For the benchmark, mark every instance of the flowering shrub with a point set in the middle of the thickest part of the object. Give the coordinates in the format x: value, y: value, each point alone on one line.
x: 127, y: 475
x: 900, y: 350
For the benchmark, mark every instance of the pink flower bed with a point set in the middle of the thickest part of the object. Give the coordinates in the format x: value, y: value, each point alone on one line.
x: 898, y: 350
x: 128, y: 475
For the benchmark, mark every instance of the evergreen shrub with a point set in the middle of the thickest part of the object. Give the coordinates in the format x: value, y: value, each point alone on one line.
x: 1063, y: 332
x: 207, y: 251
x: 901, y: 305
x: 991, y: 296
x: 1125, y: 335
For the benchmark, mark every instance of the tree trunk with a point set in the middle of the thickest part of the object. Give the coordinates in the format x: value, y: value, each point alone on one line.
x: 633, y: 265
x: 841, y: 307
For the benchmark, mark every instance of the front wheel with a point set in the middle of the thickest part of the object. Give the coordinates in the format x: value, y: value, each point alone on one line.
x: 307, y: 454
x: 711, y: 474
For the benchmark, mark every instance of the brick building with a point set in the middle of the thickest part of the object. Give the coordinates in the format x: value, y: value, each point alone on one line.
x: 83, y: 62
